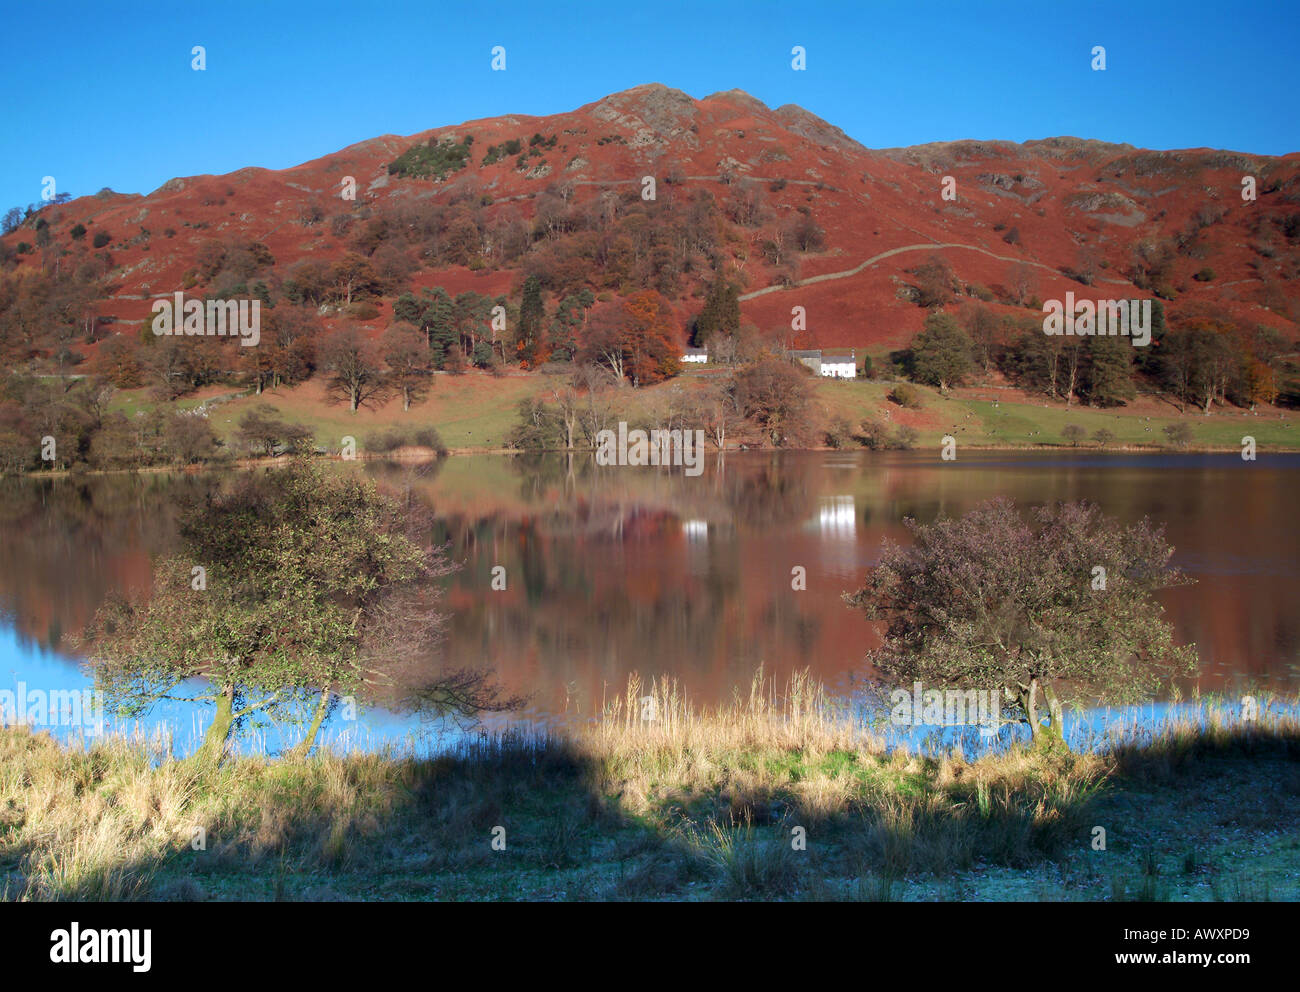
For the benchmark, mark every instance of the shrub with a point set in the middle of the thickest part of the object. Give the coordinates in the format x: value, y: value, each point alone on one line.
x: 1179, y: 434
x: 838, y: 433
x: 78, y: 232
x: 906, y: 396
x: 436, y: 160
x: 361, y: 310
x: 1205, y: 275
x: 101, y: 239
x: 391, y: 438
x: 873, y: 434
x: 906, y: 437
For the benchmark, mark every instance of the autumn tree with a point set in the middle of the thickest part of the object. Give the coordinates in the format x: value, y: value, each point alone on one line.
x: 408, y: 361
x: 353, y: 277
x: 1033, y: 609
x: 934, y: 282
x: 652, y: 338
x: 775, y: 395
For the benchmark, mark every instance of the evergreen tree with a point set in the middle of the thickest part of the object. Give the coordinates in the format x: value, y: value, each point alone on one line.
x: 721, y: 313
x: 1108, y: 375
x: 531, y: 316
x: 437, y: 322
x: 941, y: 352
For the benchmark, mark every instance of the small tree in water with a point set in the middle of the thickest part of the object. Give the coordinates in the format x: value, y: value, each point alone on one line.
x: 313, y: 587
x: 1060, y: 604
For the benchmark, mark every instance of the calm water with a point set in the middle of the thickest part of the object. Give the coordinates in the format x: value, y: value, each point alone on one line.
x: 615, y: 570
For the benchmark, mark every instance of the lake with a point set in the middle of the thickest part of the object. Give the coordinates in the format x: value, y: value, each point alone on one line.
x: 609, y: 570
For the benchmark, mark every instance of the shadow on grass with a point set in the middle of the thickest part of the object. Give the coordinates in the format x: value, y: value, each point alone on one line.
x: 552, y: 819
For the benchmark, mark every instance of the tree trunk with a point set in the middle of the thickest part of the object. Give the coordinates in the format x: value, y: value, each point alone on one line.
x: 1029, y: 703
x: 213, y: 748
x: 308, y: 742
x: 1056, y: 730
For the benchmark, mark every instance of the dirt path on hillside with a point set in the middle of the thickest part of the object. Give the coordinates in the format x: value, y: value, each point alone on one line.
x: 846, y: 273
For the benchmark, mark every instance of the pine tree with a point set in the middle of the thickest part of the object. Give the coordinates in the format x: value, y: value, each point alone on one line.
x: 1108, y: 377
x: 532, y: 313
x: 437, y: 322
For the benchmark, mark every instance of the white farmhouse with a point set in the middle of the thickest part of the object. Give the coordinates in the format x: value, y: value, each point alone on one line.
x: 837, y: 363
x: 840, y: 363
x: 697, y: 355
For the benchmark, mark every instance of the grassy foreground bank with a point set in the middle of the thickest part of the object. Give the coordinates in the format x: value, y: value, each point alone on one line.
x: 691, y: 805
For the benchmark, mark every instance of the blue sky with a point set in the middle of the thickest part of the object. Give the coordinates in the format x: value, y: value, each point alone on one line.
x: 102, y: 94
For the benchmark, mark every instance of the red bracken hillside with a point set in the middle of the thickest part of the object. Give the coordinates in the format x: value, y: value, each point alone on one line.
x: 1030, y: 221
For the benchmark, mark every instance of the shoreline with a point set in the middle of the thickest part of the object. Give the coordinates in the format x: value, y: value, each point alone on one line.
x: 429, y: 455
x: 698, y: 806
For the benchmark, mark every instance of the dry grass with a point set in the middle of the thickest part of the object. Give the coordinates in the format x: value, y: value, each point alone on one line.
x: 656, y: 799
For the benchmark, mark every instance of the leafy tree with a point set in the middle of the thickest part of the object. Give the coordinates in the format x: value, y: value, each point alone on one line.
x: 941, y: 352
x: 990, y: 601
x: 314, y: 586
x: 908, y: 397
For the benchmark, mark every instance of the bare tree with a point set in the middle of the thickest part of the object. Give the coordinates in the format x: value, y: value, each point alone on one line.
x: 352, y: 363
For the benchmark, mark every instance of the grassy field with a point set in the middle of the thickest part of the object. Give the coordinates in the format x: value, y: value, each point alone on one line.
x: 473, y: 412
x: 692, y: 806
x: 971, y: 416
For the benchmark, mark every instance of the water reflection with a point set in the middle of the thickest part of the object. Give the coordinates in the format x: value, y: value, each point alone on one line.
x: 615, y: 570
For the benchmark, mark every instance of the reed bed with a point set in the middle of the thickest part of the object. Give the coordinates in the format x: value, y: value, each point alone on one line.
x: 781, y: 793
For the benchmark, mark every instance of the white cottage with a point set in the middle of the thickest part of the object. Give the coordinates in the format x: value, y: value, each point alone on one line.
x: 840, y: 363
